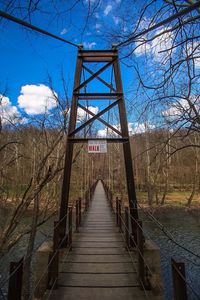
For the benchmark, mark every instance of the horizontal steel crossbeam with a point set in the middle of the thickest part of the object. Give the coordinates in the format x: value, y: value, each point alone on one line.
x: 100, y: 79
x: 94, y: 75
x: 99, y: 96
x: 109, y: 140
x: 94, y: 118
x: 99, y: 119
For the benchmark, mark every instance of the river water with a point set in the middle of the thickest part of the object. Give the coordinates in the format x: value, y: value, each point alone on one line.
x: 184, y: 226
x: 44, y: 233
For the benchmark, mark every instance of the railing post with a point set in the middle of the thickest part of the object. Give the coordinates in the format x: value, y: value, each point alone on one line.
x: 87, y: 199
x: 15, y: 281
x: 54, y: 259
x: 134, y: 226
x: 179, y: 280
x: 127, y: 236
x: 70, y: 228
x: 80, y: 208
x: 77, y: 215
x: 111, y: 200
x: 62, y: 233
x: 140, y: 244
x: 120, y: 214
x: 117, y: 211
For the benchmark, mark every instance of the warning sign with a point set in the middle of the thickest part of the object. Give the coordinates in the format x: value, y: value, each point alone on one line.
x: 97, y: 146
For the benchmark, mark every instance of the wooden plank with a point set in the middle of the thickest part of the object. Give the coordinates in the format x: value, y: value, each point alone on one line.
x: 99, y: 267
x: 127, y: 293
x: 71, y: 279
x: 98, y: 258
x: 96, y: 251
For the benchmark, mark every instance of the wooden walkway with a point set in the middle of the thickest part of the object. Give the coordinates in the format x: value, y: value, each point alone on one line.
x: 99, y: 267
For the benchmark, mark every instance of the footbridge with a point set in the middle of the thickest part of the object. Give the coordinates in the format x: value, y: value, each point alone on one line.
x: 99, y: 262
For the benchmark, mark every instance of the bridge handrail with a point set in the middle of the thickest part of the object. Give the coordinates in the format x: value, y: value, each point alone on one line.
x: 88, y: 197
x: 120, y: 210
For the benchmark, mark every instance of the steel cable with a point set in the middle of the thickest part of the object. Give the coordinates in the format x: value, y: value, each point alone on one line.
x: 178, y: 271
x: 55, y: 253
x: 164, y: 22
x: 167, y: 233
x: 35, y: 28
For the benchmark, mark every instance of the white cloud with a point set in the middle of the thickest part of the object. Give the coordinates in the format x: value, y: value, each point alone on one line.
x: 97, y: 15
x: 108, y: 132
x: 194, y: 50
x: 137, y: 128
x: 89, y: 45
x: 8, y: 112
x: 182, y: 107
x: 102, y: 133
x: 161, y: 43
x: 156, y: 46
x: 125, y: 28
x: 132, y: 128
x: 37, y: 99
x: 63, y: 31
x: 142, y: 48
x: 118, y: 1
x: 81, y: 114
x: 108, y: 9
x: 116, y: 20
x: 91, y: 1
x: 98, y: 26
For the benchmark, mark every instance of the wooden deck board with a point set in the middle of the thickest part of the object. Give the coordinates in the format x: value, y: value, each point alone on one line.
x: 99, y: 267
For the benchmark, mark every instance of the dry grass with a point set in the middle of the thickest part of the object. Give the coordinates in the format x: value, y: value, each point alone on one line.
x: 175, y: 199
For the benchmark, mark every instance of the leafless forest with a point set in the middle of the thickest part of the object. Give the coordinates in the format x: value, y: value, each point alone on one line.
x: 163, y: 98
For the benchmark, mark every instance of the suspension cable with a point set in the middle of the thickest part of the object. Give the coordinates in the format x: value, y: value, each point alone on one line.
x: 54, y: 254
x: 35, y: 28
x: 4, y: 282
x: 135, y: 244
x: 166, y: 232
x: 149, y: 269
x: 165, y: 21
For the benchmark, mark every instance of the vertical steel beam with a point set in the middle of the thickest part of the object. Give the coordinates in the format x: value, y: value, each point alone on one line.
x: 127, y: 152
x: 109, y: 57
x: 69, y: 153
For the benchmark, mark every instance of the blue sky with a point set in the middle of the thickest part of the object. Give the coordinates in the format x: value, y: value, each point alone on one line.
x: 28, y: 57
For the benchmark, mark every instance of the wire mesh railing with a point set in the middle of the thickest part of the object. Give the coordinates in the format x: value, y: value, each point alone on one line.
x: 125, y: 221
x: 50, y: 273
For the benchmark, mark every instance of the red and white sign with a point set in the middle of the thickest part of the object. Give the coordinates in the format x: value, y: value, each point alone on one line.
x: 97, y: 146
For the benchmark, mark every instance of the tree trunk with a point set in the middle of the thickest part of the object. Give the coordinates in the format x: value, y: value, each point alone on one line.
x: 29, y: 253
x: 150, y: 185
x: 189, y: 201
x: 196, y: 175
x: 164, y: 193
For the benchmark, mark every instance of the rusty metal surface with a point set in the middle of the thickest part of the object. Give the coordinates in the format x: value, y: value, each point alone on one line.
x: 110, y: 57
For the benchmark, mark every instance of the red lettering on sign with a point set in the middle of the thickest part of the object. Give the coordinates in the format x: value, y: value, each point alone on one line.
x: 94, y: 148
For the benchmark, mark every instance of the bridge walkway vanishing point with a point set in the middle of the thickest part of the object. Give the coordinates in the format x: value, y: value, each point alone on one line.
x: 99, y: 266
